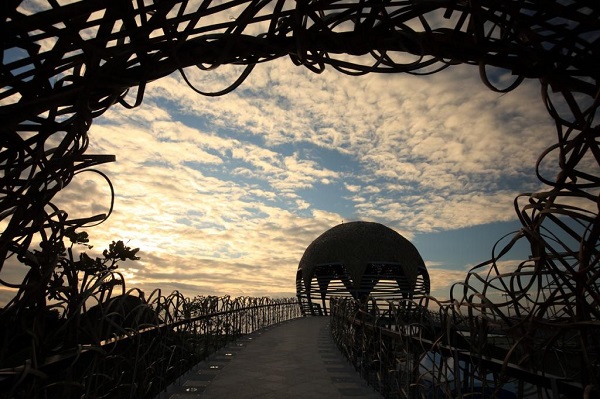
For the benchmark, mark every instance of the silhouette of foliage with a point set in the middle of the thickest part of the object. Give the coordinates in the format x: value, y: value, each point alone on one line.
x: 75, y: 66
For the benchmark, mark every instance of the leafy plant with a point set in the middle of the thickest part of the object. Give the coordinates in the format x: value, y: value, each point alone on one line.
x: 44, y: 315
x: 75, y: 280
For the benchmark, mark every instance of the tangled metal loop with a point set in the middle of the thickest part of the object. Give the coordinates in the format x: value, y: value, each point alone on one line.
x: 138, y: 346
x: 65, y: 63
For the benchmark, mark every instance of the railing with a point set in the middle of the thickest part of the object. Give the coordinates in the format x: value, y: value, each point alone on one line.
x: 73, y: 65
x: 140, y: 362
x: 419, y: 353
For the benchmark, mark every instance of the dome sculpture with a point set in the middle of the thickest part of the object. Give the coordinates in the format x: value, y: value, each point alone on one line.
x: 359, y: 259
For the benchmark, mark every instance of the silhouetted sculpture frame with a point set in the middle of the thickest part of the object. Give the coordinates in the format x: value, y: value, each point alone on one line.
x: 77, y: 60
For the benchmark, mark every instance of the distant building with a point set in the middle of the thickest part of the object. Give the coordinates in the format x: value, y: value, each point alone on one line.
x: 359, y: 259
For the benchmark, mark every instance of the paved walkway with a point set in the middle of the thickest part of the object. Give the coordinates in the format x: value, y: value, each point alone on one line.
x: 296, y: 359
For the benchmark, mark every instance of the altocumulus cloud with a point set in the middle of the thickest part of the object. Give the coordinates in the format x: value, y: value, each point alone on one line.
x: 222, y: 194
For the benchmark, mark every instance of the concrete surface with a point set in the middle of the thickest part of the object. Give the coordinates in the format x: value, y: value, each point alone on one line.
x: 292, y: 360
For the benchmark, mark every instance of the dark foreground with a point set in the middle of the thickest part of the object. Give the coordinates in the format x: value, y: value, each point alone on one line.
x: 294, y: 359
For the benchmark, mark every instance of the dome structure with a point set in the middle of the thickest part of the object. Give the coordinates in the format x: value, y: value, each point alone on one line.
x: 359, y: 259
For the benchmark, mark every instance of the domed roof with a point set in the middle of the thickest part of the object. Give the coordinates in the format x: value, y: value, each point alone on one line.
x: 357, y: 244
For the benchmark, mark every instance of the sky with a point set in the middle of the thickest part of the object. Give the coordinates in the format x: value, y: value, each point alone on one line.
x: 223, y: 195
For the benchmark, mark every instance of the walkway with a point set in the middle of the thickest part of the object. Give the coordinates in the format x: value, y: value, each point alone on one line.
x: 292, y: 360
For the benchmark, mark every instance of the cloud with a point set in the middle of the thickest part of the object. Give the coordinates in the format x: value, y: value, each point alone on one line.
x: 224, y: 194
x: 441, y: 279
x: 503, y: 273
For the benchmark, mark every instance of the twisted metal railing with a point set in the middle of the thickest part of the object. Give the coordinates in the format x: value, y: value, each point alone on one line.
x: 421, y: 353
x: 64, y: 64
x: 144, y: 347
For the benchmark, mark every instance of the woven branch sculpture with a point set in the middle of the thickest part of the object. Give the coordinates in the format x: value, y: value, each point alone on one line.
x: 78, y: 59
